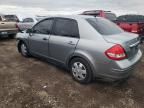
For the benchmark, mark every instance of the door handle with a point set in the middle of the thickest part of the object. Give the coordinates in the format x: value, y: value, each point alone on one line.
x: 71, y: 43
x: 2, y: 23
x: 45, y: 39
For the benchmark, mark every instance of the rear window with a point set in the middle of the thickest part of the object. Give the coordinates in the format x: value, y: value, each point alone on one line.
x: 10, y: 18
x: 27, y: 20
x: 104, y: 26
x: 66, y: 27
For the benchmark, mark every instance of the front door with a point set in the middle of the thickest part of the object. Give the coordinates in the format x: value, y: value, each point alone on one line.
x: 39, y: 39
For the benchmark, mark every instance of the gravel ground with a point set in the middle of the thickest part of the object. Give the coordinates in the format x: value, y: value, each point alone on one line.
x: 34, y: 83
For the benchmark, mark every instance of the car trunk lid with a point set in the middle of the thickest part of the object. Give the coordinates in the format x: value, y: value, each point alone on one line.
x: 7, y: 25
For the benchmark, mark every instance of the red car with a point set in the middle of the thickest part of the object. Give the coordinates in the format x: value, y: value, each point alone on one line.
x: 132, y: 23
x: 101, y: 13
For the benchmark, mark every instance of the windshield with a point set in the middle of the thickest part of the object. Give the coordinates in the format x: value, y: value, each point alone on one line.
x: 104, y: 26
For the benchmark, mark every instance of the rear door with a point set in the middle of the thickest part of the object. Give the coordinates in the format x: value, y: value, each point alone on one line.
x: 63, y: 39
x: 38, y: 41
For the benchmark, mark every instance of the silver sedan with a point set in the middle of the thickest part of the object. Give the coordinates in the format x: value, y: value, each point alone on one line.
x: 89, y: 47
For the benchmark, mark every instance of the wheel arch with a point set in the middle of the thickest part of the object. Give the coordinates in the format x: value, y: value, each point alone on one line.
x: 83, y: 56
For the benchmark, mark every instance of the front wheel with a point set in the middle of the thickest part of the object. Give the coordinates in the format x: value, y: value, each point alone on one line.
x: 24, y: 50
x: 81, y: 70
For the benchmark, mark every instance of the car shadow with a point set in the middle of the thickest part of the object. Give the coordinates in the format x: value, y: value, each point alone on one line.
x: 98, y: 81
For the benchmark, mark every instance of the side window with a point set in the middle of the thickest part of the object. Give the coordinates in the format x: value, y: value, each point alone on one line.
x: 28, y: 20
x: 66, y: 27
x: 44, y: 27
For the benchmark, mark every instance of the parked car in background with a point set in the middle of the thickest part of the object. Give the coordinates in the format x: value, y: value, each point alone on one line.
x: 88, y: 46
x: 8, y: 26
x: 12, y: 18
x: 132, y: 23
x: 27, y: 23
x: 101, y: 13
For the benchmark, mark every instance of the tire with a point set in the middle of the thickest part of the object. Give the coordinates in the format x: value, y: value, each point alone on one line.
x: 81, y: 71
x: 12, y: 36
x: 24, y: 50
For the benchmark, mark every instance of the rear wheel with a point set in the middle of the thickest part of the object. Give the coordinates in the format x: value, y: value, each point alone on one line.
x: 12, y: 36
x: 81, y: 70
x: 24, y: 50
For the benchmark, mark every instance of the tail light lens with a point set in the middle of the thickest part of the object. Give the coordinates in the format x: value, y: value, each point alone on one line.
x: 16, y: 26
x: 117, y: 52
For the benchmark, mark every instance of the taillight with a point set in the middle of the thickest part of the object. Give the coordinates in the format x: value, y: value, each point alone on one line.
x: 134, y: 28
x: 116, y: 52
x: 16, y: 26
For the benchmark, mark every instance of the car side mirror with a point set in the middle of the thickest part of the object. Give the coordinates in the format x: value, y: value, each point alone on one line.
x: 29, y: 31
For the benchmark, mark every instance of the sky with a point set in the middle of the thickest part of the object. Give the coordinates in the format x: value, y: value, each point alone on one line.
x: 52, y: 7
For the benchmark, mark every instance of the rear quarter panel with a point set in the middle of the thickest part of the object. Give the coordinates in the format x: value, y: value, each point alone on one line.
x: 93, y: 51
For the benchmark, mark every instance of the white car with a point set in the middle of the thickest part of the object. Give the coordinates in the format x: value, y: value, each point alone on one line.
x: 27, y: 23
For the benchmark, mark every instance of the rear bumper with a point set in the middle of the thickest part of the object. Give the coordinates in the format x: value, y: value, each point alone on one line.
x: 124, y: 70
x: 116, y: 74
x: 7, y: 32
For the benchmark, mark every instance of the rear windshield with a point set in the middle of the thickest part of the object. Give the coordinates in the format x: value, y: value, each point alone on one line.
x: 111, y: 16
x: 10, y: 18
x: 104, y: 26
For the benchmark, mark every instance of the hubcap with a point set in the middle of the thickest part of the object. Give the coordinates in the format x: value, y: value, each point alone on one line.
x: 79, y: 71
x: 23, y: 49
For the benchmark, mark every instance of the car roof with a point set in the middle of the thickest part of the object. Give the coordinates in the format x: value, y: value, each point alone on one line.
x: 76, y: 17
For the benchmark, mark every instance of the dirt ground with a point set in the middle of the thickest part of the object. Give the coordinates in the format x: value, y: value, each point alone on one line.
x: 34, y: 83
